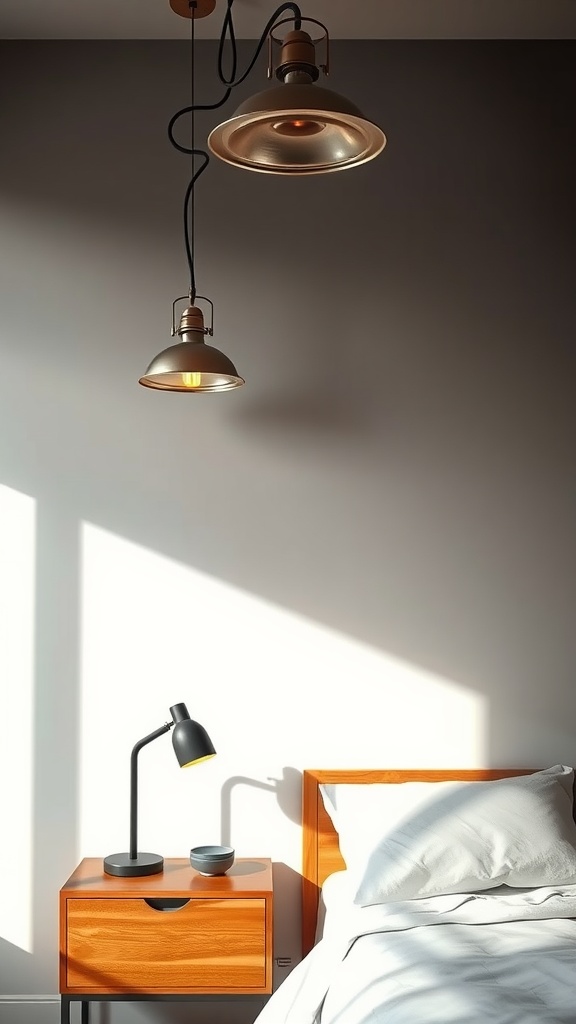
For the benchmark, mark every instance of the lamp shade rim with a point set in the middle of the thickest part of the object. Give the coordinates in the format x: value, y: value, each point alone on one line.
x: 159, y: 385
x: 228, y: 141
x: 168, y: 369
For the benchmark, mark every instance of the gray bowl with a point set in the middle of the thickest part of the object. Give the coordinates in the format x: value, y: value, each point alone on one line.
x: 212, y: 860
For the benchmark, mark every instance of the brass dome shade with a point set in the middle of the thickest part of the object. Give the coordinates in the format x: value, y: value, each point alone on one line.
x: 297, y: 127
x: 191, y: 365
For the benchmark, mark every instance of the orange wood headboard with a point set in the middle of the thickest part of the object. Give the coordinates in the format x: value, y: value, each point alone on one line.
x: 320, y: 851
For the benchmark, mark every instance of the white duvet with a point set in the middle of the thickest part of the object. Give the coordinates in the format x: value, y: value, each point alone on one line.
x: 499, y: 957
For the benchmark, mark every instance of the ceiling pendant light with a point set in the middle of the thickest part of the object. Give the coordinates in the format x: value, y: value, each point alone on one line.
x: 297, y: 127
x: 191, y: 365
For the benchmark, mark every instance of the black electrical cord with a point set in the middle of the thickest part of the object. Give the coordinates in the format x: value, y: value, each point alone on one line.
x: 228, y: 28
x: 227, y: 34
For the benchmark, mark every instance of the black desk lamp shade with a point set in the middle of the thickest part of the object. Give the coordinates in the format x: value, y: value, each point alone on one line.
x: 192, y: 744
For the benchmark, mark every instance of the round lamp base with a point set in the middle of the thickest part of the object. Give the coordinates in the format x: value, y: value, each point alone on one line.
x: 143, y: 864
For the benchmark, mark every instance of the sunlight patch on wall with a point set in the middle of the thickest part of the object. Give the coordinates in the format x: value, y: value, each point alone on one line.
x: 17, y: 596
x: 276, y: 692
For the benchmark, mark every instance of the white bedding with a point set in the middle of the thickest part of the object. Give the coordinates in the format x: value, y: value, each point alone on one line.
x: 506, y: 956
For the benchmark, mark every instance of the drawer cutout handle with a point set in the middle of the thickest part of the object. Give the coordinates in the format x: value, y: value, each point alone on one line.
x: 168, y: 903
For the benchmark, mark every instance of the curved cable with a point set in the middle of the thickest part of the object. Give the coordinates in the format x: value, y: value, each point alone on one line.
x: 188, y: 110
x: 228, y: 28
x: 227, y: 34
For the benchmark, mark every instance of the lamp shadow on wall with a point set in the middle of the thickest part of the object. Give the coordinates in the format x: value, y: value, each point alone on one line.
x: 305, y: 417
x: 283, y: 789
x: 287, y: 882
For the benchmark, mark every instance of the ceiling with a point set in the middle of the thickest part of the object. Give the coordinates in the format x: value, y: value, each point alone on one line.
x: 353, y: 19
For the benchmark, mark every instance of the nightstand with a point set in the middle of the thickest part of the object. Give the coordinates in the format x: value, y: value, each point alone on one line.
x: 170, y: 935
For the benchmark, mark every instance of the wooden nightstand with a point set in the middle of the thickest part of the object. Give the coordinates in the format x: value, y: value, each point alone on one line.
x: 174, y: 934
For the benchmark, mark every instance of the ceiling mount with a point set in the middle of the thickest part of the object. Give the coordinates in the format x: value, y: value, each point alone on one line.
x: 197, y: 9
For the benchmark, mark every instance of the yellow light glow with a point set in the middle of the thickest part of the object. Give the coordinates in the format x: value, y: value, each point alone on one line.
x: 192, y: 380
x: 198, y: 760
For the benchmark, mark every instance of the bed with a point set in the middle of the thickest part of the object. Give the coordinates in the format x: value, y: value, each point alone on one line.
x: 435, y: 897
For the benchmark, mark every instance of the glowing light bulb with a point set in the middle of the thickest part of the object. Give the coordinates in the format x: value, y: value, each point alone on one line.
x: 298, y: 127
x: 192, y: 380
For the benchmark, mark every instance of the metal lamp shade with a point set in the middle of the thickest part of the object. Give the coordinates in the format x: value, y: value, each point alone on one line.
x: 297, y: 128
x: 190, y: 740
x: 192, y: 366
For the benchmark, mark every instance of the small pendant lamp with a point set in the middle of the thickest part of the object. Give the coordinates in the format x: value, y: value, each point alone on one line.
x: 297, y: 127
x: 191, y: 365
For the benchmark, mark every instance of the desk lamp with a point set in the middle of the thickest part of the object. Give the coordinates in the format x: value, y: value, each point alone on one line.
x: 192, y: 744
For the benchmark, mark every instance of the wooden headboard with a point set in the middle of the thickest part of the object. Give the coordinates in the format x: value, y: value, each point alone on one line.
x: 320, y: 851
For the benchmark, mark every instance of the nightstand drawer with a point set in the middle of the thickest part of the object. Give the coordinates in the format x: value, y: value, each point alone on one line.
x: 124, y: 945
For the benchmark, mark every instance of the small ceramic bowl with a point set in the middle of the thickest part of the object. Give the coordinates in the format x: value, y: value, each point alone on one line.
x: 212, y: 860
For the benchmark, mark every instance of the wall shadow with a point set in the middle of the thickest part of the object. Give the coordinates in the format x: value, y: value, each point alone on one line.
x: 286, y: 790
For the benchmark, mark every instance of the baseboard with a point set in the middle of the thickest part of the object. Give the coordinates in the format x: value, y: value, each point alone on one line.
x: 29, y: 999
x: 45, y: 1009
x: 29, y: 1009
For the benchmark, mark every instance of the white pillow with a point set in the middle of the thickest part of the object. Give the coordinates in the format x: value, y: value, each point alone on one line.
x: 402, y: 841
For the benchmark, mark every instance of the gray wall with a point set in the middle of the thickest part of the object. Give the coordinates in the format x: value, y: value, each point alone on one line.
x: 400, y: 465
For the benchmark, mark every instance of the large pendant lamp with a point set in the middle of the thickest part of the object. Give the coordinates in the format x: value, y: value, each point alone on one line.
x: 297, y: 127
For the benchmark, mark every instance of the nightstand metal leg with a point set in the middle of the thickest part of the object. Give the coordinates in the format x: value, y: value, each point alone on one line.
x: 65, y: 1010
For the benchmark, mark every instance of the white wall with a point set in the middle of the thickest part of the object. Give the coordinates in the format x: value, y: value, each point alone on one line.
x: 365, y: 556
